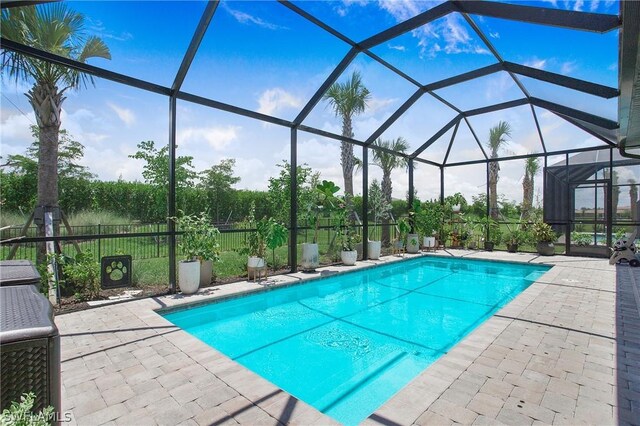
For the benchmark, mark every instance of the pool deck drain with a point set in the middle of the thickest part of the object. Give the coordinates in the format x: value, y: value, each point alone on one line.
x: 565, y: 351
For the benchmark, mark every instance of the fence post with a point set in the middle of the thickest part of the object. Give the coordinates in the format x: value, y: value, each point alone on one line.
x: 158, y: 240
x: 99, y: 243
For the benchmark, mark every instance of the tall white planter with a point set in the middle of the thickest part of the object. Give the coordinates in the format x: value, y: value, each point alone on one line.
x: 413, y: 243
x: 254, y: 264
x: 349, y: 257
x: 310, y: 256
x: 206, y: 272
x: 429, y: 242
x: 374, y: 247
x: 189, y: 276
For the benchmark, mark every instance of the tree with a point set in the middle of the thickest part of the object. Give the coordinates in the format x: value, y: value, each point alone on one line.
x: 72, y: 176
x: 388, y: 162
x: 57, y: 29
x: 348, y: 99
x: 378, y: 205
x: 633, y: 196
x: 280, y: 190
x: 497, y: 139
x: 156, y: 170
x: 217, y: 182
x: 531, y: 169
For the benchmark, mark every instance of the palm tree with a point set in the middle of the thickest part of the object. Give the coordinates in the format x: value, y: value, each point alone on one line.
x: 497, y: 139
x: 388, y: 162
x: 348, y: 99
x: 531, y: 169
x: 55, y: 29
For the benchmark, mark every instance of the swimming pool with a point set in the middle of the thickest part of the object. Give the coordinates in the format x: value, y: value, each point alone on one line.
x: 347, y: 343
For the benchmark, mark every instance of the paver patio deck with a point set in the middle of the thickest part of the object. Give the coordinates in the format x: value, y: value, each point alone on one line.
x: 565, y: 351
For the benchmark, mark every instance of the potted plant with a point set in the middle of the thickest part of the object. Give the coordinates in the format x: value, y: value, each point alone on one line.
x: 323, y: 200
x: 346, y: 236
x: 544, y: 235
x: 257, y: 248
x: 277, y: 236
x: 380, y: 209
x: 456, y: 201
x: 492, y: 232
x: 514, y: 238
x: 403, y: 229
x: 428, y: 222
x: 413, y: 239
x: 199, y: 245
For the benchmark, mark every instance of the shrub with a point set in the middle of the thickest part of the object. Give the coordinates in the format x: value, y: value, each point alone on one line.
x: 543, y: 233
x: 82, y: 276
x: 20, y: 414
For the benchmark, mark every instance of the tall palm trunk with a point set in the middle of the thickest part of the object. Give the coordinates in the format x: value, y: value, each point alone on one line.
x: 46, y: 101
x: 494, y: 168
x: 347, y: 159
x: 527, y: 196
x: 386, y: 195
x: 633, y: 196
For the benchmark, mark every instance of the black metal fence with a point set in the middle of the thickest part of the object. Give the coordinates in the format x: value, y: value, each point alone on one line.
x: 147, y: 241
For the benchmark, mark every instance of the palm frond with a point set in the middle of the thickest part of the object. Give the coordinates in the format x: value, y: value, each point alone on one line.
x: 497, y: 137
x: 53, y: 28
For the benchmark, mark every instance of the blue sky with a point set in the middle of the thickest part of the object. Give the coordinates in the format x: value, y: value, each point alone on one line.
x: 261, y: 56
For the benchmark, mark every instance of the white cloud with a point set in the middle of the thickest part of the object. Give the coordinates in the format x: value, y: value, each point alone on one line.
x: 218, y: 138
x: 613, y: 67
x: 126, y: 115
x: 578, y: 5
x: 16, y: 126
x: 247, y: 19
x: 399, y: 47
x: 449, y: 34
x: 96, y: 27
x: 567, y: 67
x: 376, y: 104
x: 277, y: 99
x: 536, y: 63
x: 593, y: 5
x: 494, y: 34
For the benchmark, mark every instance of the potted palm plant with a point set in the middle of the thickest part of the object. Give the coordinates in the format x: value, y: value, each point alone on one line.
x: 199, y: 245
x: 514, y: 238
x: 323, y: 200
x: 545, y: 236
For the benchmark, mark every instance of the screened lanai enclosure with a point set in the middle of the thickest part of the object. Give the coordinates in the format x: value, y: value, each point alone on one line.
x: 248, y: 86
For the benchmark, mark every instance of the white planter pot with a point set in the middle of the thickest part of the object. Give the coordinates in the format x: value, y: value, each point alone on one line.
x: 429, y: 242
x: 349, y: 257
x: 189, y: 276
x: 310, y: 256
x: 456, y: 208
x: 206, y: 272
x: 255, y: 262
x: 374, y: 247
x: 413, y: 243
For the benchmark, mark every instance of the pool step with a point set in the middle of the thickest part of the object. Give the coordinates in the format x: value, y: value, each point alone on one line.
x: 388, y: 375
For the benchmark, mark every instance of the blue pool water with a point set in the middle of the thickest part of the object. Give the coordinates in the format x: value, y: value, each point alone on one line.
x: 347, y: 343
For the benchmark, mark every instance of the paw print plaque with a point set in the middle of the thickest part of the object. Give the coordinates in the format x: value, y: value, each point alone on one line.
x: 116, y: 271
